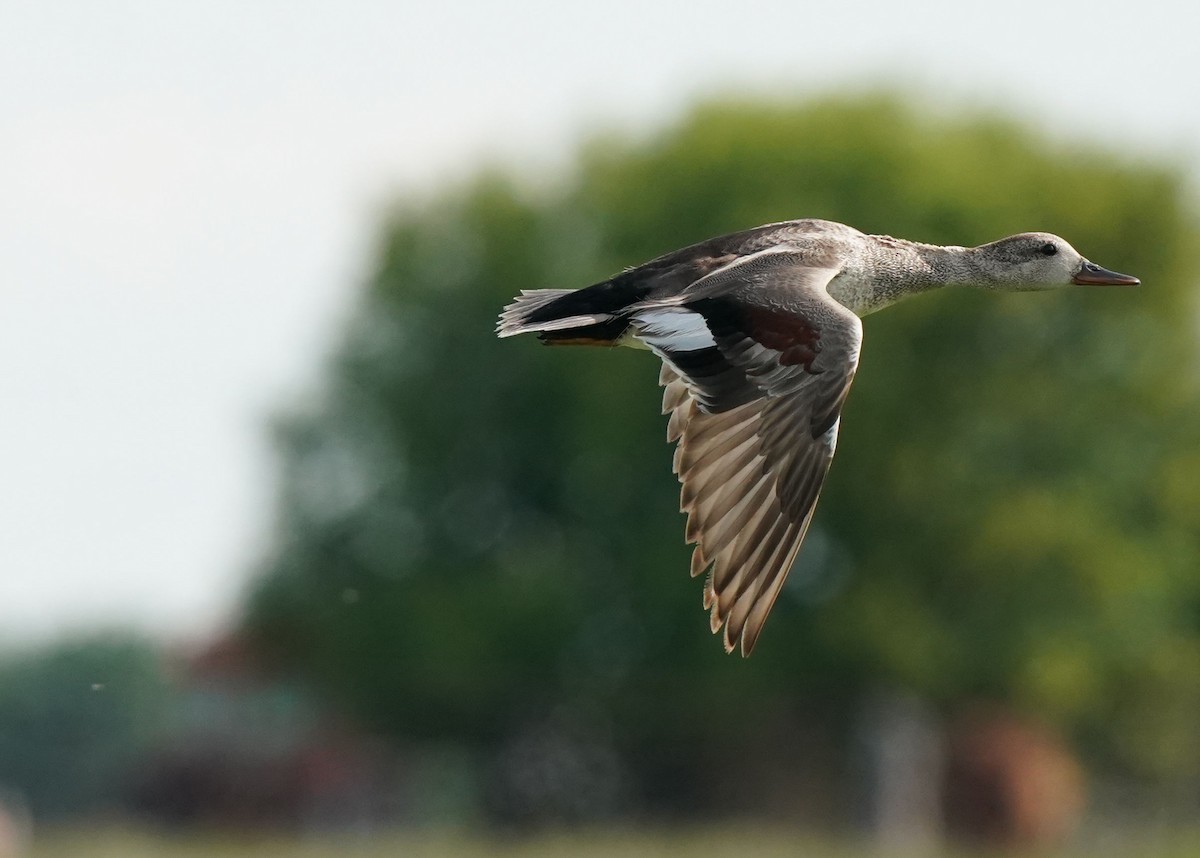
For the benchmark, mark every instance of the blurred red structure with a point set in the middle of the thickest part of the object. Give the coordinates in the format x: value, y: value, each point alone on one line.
x: 1010, y: 782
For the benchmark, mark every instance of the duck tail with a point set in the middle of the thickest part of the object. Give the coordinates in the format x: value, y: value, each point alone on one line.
x: 558, y: 318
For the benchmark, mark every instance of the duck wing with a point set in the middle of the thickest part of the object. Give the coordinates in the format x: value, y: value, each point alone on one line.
x: 757, y: 362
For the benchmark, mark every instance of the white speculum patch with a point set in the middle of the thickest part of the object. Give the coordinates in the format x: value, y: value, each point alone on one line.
x: 671, y: 329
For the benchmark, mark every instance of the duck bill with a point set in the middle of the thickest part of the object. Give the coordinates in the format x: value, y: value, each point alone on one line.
x: 1092, y: 274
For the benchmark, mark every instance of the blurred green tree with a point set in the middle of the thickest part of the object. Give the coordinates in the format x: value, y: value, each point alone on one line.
x: 76, y: 720
x: 471, y: 530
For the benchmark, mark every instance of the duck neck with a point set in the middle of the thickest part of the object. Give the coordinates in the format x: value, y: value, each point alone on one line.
x: 952, y: 266
x: 899, y: 268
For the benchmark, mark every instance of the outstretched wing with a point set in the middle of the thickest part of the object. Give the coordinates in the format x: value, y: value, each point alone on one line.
x: 757, y: 361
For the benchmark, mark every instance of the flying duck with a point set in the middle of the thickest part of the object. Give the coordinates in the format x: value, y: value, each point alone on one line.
x: 759, y: 335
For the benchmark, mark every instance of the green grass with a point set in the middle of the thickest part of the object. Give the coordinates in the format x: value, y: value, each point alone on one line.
x: 725, y: 842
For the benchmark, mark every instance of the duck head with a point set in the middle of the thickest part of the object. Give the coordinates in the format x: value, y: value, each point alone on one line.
x: 1038, y: 260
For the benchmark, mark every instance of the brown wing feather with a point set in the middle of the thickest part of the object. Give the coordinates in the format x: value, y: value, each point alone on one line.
x: 736, y: 519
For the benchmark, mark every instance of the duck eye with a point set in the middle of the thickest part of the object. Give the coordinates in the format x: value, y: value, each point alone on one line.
x: 1049, y: 248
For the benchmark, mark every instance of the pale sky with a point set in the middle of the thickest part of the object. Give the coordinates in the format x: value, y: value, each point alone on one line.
x: 188, y: 194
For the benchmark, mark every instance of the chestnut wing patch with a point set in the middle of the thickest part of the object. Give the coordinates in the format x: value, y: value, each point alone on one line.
x: 795, y: 338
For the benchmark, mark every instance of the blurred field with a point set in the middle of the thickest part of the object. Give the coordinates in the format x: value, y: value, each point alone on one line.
x: 709, y: 843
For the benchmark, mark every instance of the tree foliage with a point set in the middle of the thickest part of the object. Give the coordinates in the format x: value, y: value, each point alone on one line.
x: 471, y: 530
x: 76, y: 719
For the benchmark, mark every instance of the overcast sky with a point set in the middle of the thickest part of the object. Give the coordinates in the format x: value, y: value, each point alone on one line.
x: 188, y: 193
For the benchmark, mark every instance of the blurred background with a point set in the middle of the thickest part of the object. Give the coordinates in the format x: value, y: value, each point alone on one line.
x: 299, y: 558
